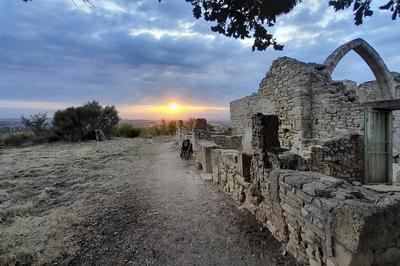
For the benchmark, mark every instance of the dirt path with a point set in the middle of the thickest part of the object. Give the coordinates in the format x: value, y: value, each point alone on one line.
x: 171, y: 216
x: 121, y: 202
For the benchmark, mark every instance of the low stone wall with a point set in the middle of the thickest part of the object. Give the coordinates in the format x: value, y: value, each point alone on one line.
x: 323, y: 220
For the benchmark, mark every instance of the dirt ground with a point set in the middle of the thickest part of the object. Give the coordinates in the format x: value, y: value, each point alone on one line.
x: 121, y: 202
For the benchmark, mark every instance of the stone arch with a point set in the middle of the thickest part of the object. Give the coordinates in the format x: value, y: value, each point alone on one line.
x: 370, y: 56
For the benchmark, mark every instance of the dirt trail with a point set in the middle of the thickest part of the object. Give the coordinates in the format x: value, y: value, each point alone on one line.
x: 171, y: 216
x: 121, y: 202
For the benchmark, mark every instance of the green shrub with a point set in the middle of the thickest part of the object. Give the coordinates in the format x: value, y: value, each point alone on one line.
x: 18, y: 138
x: 78, y: 123
x: 127, y: 131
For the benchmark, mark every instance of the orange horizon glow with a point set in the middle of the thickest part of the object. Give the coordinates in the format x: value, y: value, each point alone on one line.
x: 170, y: 110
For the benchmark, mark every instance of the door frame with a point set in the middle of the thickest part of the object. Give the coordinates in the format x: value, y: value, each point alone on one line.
x: 389, y: 138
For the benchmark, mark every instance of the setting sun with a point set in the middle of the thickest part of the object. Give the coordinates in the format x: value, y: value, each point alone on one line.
x: 173, y: 107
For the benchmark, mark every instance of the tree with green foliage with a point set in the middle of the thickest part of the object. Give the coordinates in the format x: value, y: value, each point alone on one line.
x: 78, y: 123
x: 246, y: 19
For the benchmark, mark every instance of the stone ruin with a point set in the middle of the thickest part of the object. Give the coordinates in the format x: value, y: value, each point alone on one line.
x: 300, y: 159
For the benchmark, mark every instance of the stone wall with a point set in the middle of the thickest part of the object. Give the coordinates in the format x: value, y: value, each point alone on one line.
x: 282, y: 93
x: 242, y: 110
x: 313, y: 109
x: 336, y: 110
x: 228, y: 142
x: 300, y: 157
x: 308, y: 103
x: 322, y: 220
x: 342, y: 158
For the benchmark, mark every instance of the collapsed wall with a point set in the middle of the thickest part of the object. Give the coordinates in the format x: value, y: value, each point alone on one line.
x: 319, y: 118
x: 321, y: 220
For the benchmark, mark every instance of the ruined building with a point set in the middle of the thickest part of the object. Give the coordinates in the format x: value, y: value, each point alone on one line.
x: 305, y: 156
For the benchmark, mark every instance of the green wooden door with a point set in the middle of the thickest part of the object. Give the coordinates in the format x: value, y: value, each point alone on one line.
x: 378, y: 147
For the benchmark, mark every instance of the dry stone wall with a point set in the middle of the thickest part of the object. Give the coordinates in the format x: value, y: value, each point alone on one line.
x: 296, y: 158
x: 242, y: 110
x: 342, y: 158
x: 336, y: 110
x: 322, y: 220
x: 228, y: 142
x: 282, y: 93
x: 313, y: 109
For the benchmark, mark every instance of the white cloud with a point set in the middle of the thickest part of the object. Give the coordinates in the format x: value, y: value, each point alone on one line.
x: 311, y: 6
x: 288, y: 33
x: 33, y: 105
x: 331, y: 16
x: 159, y: 33
x: 110, y: 6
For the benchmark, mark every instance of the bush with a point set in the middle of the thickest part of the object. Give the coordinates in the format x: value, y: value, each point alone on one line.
x: 163, y: 129
x: 18, y: 138
x: 37, y: 123
x: 127, y: 131
x: 78, y: 123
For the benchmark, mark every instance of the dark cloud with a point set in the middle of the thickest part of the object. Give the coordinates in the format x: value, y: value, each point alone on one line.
x: 143, y: 52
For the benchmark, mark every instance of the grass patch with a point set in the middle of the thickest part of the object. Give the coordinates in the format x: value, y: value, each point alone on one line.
x: 127, y: 131
x: 18, y: 257
x: 47, y: 192
x: 17, y: 138
x: 18, y: 210
x: 38, y: 240
x: 8, y: 183
x: 66, y: 218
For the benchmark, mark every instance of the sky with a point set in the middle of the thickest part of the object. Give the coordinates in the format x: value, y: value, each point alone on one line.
x: 155, y: 60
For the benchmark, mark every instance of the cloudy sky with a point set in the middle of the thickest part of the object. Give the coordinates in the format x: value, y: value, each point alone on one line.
x: 136, y: 54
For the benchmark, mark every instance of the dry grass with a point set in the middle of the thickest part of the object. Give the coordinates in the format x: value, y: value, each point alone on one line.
x: 18, y: 257
x: 46, y: 193
x: 65, y: 218
x: 8, y: 183
x: 45, y: 190
x: 18, y: 210
x: 19, y: 248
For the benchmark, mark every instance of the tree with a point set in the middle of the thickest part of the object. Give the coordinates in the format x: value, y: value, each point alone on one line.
x: 250, y: 18
x: 79, y: 123
x: 37, y: 123
x: 171, y: 128
x: 246, y: 19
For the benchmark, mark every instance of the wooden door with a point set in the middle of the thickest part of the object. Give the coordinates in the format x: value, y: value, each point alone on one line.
x: 378, y: 147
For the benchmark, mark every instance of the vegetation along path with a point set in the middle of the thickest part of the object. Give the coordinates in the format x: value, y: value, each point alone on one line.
x: 121, y: 202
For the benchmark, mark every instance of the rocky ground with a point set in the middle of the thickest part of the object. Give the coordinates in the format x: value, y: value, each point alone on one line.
x: 124, y: 201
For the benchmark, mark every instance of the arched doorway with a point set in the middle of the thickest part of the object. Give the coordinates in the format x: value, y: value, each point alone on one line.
x: 371, y: 57
x: 378, y: 122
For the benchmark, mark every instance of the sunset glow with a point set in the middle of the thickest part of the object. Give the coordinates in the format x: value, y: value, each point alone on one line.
x: 171, y: 110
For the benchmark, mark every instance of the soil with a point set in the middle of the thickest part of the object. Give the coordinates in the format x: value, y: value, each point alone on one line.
x: 122, y: 202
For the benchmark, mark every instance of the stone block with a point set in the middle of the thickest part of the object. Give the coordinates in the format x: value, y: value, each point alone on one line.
x: 206, y: 162
x: 246, y: 141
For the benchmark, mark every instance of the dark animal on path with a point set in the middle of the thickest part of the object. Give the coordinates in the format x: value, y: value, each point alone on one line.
x: 186, y: 150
